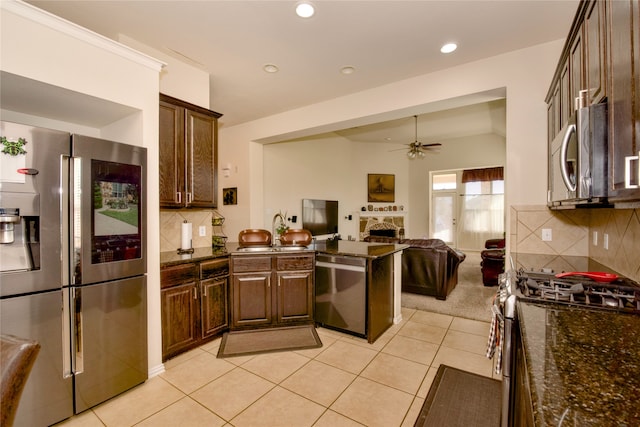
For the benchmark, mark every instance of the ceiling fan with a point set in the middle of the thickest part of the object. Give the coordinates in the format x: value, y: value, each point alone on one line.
x: 416, y: 148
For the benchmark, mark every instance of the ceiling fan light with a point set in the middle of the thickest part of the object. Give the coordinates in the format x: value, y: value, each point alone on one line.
x: 411, y: 154
x: 421, y: 154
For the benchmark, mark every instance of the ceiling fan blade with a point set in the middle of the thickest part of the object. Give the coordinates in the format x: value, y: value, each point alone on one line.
x: 435, y: 144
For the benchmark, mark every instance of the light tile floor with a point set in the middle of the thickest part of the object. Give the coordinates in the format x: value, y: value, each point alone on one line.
x: 346, y: 382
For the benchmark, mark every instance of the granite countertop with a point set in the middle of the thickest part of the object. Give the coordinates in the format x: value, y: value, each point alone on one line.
x: 359, y: 249
x: 341, y: 247
x: 583, y: 364
x: 199, y: 254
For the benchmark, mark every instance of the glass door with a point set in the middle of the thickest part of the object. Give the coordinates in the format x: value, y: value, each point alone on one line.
x: 444, y: 207
x: 444, y: 218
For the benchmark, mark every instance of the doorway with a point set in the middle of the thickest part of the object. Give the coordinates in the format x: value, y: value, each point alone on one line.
x: 467, y: 207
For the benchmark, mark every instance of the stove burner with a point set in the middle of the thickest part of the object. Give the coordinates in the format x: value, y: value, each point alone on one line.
x: 621, y: 295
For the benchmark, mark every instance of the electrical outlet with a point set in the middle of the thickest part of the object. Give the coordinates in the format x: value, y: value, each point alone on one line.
x: 595, y: 238
x: 546, y: 235
x: 202, y: 230
x: 605, y: 241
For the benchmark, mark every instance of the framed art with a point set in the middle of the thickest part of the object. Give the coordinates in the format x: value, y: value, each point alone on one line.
x: 381, y: 187
x: 230, y: 196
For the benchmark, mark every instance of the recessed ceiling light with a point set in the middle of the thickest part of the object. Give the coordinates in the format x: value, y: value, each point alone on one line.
x: 448, y: 48
x: 347, y: 70
x: 270, y: 68
x: 305, y: 9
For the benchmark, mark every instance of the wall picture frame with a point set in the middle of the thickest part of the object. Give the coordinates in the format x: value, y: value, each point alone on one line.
x: 381, y: 187
x: 230, y: 196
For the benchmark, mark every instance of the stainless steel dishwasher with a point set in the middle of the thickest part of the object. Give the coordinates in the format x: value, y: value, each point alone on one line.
x: 341, y: 293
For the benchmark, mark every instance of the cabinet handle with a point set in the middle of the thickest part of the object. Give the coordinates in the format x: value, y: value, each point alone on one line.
x: 195, y: 293
x: 204, y: 291
x: 179, y: 194
x: 627, y: 171
x: 189, y: 198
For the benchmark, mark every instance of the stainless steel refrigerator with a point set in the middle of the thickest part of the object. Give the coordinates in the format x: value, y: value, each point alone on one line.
x: 73, y: 266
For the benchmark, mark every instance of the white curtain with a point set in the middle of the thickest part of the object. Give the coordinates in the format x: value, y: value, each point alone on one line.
x: 481, y: 218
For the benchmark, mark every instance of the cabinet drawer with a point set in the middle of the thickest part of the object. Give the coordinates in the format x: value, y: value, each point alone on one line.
x: 215, y: 268
x: 251, y: 263
x: 294, y: 262
x: 177, y: 274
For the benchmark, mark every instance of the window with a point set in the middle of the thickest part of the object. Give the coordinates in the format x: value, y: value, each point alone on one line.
x: 444, y: 181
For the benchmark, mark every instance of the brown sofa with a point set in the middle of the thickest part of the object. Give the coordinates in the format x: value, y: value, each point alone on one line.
x: 429, y: 266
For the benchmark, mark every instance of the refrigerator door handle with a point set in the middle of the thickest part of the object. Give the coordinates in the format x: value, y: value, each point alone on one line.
x: 67, y: 369
x: 78, y: 335
x: 65, y: 226
x: 75, y: 221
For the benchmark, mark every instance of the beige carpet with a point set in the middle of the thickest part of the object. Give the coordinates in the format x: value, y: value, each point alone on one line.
x: 469, y: 299
x: 242, y: 343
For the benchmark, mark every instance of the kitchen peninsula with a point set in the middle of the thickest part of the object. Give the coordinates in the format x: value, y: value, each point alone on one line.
x: 358, y: 286
x: 197, y: 293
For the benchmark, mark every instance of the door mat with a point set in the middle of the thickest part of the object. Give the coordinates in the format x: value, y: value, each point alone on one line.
x: 243, y: 343
x: 460, y: 398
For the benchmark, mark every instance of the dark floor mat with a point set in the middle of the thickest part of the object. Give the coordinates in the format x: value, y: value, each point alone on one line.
x: 460, y: 398
x: 242, y: 343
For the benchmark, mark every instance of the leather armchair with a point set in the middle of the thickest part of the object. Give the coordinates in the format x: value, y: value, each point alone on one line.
x: 492, y: 261
x: 429, y: 266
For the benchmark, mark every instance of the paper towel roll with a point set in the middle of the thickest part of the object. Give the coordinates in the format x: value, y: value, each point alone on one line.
x: 186, y: 236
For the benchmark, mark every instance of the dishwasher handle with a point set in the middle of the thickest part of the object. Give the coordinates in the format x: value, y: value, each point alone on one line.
x: 341, y: 260
x: 338, y: 266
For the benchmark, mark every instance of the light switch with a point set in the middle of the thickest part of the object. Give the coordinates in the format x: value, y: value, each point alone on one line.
x: 546, y: 235
x: 202, y: 230
x: 595, y: 238
x: 605, y: 241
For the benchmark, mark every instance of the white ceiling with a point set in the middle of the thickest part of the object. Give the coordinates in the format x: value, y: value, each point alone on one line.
x: 385, y: 41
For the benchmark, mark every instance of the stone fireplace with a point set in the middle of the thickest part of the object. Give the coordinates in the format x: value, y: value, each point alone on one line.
x: 391, y: 225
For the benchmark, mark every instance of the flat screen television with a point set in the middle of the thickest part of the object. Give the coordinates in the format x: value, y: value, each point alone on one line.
x: 320, y: 216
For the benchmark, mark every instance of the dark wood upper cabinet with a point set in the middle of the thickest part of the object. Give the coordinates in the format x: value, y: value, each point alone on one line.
x: 602, y: 57
x: 594, y: 61
x: 624, y: 100
x: 188, y: 155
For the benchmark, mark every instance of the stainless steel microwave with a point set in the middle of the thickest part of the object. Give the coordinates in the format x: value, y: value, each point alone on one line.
x: 578, y: 170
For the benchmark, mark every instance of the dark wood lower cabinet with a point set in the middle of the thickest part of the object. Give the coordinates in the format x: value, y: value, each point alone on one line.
x: 272, y: 290
x: 194, y: 300
x: 179, y: 311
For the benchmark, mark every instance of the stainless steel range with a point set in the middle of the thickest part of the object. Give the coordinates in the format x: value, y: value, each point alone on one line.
x: 579, y: 289
x: 567, y: 295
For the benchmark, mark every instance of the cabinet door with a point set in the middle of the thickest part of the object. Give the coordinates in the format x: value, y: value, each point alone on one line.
x: 201, y: 160
x: 180, y: 307
x: 171, y: 144
x: 624, y: 125
x: 251, y: 296
x: 565, y: 95
x: 595, y: 59
x: 294, y: 296
x: 215, y: 312
x: 577, y: 70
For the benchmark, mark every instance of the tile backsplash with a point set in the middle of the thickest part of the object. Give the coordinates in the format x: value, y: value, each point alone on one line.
x: 572, y: 234
x: 171, y: 226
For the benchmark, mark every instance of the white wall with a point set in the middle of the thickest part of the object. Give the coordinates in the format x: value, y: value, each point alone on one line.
x: 524, y: 75
x: 327, y: 167
x: 177, y: 79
